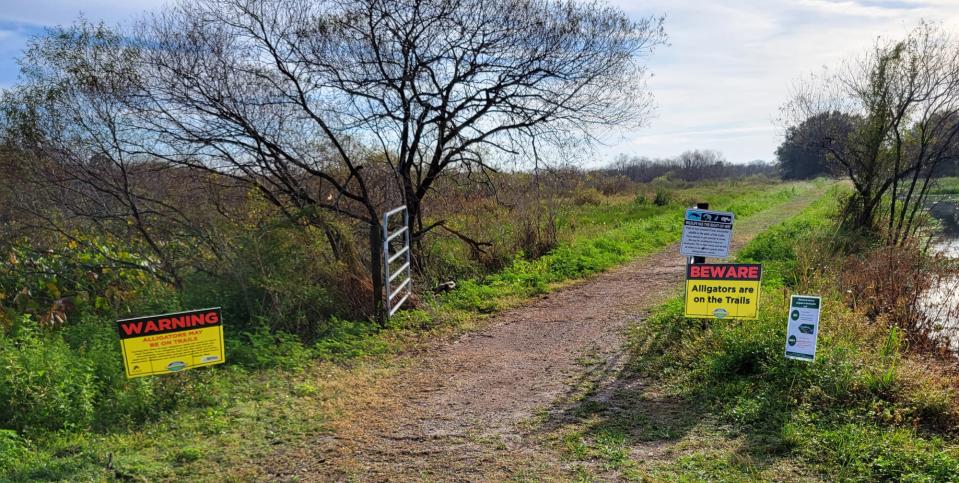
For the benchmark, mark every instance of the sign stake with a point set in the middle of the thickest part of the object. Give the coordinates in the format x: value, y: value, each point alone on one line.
x: 701, y: 206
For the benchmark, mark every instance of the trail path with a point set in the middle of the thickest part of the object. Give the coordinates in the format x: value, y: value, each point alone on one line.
x: 462, y: 412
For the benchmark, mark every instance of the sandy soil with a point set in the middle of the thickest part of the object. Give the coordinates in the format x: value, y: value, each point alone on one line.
x: 463, y: 411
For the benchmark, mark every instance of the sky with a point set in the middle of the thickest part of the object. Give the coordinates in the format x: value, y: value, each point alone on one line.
x: 718, y: 85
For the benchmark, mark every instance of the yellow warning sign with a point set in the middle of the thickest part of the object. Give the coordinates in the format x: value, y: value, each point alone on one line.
x: 723, y: 291
x: 163, y: 344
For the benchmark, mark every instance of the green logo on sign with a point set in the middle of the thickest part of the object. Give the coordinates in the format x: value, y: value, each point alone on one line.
x: 720, y: 313
x: 792, y: 340
x: 176, y: 366
x: 795, y: 315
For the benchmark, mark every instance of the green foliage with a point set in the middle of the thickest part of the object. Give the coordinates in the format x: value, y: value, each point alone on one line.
x: 81, y: 274
x: 875, y: 453
x: 662, y: 198
x: 802, y: 154
x: 264, y: 348
x: 346, y: 339
x: 945, y: 186
x: 279, y: 276
x: 73, y: 380
x: 12, y: 448
x: 637, y: 232
x: 775, y: 248
x: 853, y: 412
x: 587, y: 196
x: 41, y: 385
x: 63, y: 388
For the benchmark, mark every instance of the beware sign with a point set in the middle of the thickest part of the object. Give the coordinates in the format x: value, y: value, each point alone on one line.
x: 161, y: 344
x: 723, y: 290
x: 802, y: 327
x: 706, y: 233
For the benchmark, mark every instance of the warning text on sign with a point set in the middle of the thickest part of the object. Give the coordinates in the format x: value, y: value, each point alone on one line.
x: 162, y: 344
x: 723, y: 291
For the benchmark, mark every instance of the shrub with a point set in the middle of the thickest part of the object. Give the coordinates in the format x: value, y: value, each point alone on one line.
x: 41, y: 385
x: 899, y: 299
x: 347, y: 339
x: 279, y: 275
x: 587, y: 196
x: 13, y: 449
x: 264, y: 348
x: 663, y: 197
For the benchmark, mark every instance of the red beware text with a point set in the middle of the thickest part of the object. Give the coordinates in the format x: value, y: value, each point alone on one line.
x: 724, y: 271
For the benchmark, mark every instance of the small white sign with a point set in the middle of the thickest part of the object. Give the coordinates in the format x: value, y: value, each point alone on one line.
x: 802, y: 327
x: 706, y: 233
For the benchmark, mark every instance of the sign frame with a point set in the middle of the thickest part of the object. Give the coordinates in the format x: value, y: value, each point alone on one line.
x: 171, y: 342
x: 799, y: 335
x: 706, y: 237
x: 742, y: 282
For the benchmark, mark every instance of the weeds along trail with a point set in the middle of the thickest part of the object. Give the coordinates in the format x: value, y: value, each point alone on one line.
x: 468, y: 410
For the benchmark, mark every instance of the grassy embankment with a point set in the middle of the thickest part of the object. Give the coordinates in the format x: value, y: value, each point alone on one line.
x: 211, y: 424
x: 724, y: 404
x: 945, y: 186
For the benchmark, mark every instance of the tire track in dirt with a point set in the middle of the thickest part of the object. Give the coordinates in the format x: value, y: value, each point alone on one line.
x: 458, y: 412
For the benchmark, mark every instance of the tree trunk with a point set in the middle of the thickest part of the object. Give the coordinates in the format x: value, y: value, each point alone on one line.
x: 867, y: 214
x: 376, y: 272
x: 414, y: 226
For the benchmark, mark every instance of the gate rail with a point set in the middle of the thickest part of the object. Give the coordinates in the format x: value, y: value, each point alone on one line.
x: 405, y: 287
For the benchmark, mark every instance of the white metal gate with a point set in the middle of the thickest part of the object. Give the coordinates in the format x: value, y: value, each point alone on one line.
x: 402, y: 277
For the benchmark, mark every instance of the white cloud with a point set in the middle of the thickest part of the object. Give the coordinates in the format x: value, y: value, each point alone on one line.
x: 718, y: 85
x: 730, y: 65
x: 850, y: 8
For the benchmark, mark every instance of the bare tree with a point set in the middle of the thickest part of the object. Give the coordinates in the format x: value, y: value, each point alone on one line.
x: 905, y: 97
x: 69, y: 138
x: 352, y: 106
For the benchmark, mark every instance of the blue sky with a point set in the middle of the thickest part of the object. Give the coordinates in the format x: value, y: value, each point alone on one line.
x: 718, y: 85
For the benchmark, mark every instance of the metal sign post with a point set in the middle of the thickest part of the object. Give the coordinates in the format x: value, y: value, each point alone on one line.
x: 701, y: 206
x: 402, y: 277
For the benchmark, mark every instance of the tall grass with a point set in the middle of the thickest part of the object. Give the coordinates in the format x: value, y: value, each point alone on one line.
x: 73, y: 415
x: 866, y: 409
x: 603, y: 242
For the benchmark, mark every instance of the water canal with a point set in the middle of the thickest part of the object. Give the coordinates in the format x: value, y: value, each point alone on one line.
x: 941, y: 302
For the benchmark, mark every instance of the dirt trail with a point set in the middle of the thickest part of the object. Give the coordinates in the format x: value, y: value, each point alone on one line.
x: 459, y: 412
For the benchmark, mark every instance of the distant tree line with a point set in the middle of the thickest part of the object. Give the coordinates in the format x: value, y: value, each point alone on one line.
x: 695, y: 165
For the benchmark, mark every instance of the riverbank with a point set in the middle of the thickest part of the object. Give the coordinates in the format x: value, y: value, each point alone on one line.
x: 942, y: 301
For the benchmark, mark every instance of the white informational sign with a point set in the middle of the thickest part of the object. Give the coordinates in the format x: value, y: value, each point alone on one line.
x: 802, y: 327
x: 706, y: 233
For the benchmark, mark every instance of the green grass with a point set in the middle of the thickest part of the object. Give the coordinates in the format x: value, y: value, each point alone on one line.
x: 740, y: 411
x: 945, y: 186
x: 635, y: 232
x: 210, y: 424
